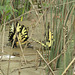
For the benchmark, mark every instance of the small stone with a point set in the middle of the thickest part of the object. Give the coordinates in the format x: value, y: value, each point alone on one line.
x: 16, y: 54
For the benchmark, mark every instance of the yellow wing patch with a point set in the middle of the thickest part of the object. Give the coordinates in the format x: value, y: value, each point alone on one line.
x: 18, y: 27
x: 49, y: 44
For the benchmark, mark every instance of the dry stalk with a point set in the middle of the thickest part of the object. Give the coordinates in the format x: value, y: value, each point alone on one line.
x: 2, y: 46
x: 19, y: 60
x: 8, y: 65
x: 46, y: 62
x: 57, y: 56
x: 36, y: 25
x: 36, y: 60
x: 74, y: 70
x: 21, y: 49
x: 13, y: 42
x: 54, y: 59
x: 33, y: 30
x: 19, y: 17
x: 19, y: 72
x: 22, y: 68
x: 40, y: 19
x: 26, y: 45
x: 2, y: 72
x: 34, y: 8
x: 68, y: 66
x: 39, y: 42
x: 63, y: 3
x: 69, y: 16
x: 64, y: 39
x: 3, y: 36
x: 12, y: 8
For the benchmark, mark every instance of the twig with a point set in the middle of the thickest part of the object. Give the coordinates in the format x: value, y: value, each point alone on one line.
x: 34, y: 8
x: 33, y: 30
x: 2, y: 46
x: 39, y: 42
x: 3, y: 36
x: 38, y: 21
x: 63, y: 3
x: 22, y: 68
x: 36, y: 60
x: 19, y: 60
x: 19, y: 72
x: 46, y: 62
x: 54, y: 59
x: 35, y: 26
x: 2, y: 72
x: 19, y: 17
x: 68, y: 66
x: 13, y: 41
x: 8, y: 65
x: 74, y: 69
x: 21, y: 49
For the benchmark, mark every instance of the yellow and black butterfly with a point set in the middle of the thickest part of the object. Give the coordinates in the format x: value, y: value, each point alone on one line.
x: 49, y: 43
x: 22, y: 33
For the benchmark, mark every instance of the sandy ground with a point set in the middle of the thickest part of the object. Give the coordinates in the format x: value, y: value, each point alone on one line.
x: 15, y: 64
x: 30, y: 53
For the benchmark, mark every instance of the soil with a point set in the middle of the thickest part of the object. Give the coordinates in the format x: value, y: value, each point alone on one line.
x: 16, y: 54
